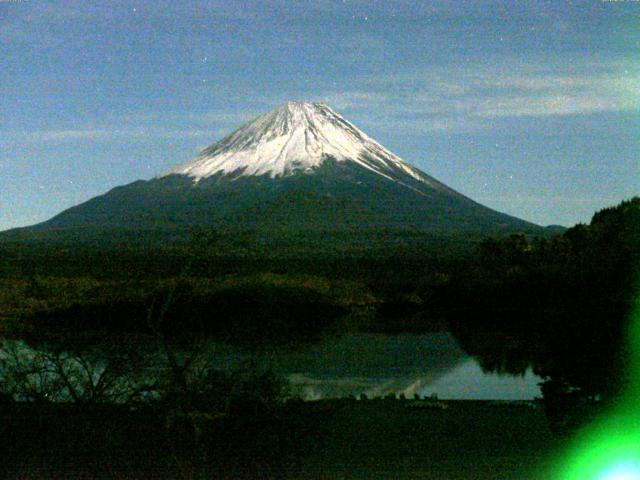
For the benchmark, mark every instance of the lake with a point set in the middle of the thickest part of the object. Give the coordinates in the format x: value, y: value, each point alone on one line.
x: 376, y: 365
x: 338, y: 366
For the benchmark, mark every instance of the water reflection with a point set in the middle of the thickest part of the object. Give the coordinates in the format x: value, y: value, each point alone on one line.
x: 468, y: 381
x: 377, y: 365
x: 355, y: 364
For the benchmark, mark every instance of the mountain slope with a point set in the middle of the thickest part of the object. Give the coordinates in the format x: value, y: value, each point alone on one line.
x: 300, y: 170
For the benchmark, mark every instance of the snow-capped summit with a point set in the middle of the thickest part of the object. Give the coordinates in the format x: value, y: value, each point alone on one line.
x: 296, y: 137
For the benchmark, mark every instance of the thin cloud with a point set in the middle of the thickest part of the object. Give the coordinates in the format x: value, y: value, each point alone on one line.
x: 61, y: 136
x: 456, y: 99
x: 64, y: 135
x: 441, y: 99
x: 548, y: 106
x: 351, y: 100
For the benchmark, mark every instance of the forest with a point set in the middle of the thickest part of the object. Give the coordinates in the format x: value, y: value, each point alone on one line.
x: 112, y: 340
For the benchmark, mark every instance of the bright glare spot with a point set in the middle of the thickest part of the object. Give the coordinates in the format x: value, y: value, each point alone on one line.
x: 622, y: 471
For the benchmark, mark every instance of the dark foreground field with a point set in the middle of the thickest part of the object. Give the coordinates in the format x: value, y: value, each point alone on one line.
x: 327, y: 439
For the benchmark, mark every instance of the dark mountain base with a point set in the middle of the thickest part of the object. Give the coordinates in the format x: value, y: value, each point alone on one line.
x: 337, y: 207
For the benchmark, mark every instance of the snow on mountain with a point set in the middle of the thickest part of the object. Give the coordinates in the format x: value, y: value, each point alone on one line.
x: 297, y: 137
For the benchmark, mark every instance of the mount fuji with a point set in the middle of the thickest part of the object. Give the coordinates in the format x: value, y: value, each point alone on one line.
x: 300, y: 173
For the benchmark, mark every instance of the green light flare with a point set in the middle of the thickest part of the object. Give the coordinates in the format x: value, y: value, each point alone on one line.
x: 622, y: 471
x: 610, y: 448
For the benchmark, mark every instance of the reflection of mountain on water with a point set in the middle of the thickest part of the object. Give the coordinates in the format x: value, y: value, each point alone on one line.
x: 373, y: 364
x: 362, y: 363
x: 468, y: 381
x: 381, y: 364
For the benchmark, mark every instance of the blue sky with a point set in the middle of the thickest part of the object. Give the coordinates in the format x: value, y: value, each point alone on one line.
x: 532, y: 108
